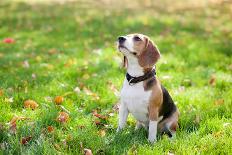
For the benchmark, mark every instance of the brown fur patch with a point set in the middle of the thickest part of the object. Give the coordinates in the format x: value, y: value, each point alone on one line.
x: 148, y: 84
x: 156, y: 101
x: 149, y: 55
x: 171, y: 121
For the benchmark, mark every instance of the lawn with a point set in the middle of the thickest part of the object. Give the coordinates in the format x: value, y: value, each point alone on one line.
x: 62, y: 55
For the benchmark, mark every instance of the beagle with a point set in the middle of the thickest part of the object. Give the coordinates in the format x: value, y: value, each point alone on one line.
x: 142, y: 94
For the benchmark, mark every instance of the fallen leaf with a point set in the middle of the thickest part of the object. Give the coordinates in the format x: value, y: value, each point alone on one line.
x: 1, y: 92
x: 50, y: 129
x: 26, y: 64
x: 226, y: 124
x: 63, y: 109
x: 25, y: 140
x: 90, y: 93
x: 218, y: 134
x: 197, y: 119
x: 116, y: 107
x: 58, y: 100
x: 30, y: 104
x: 102, y: 133
x: 33, y: 75
x: 63, y: 117
x: 1, y: 55
x: 57, y: 147
x: 113, y: 88
x: 86, y: 76
x: 53, y: 51
x: 88, y: 152
x: 219, y: 102
x: 8, y: 40
x: 99, y: 115
x: 13, y: 123
x: 48, y: 99
x: 10, y: 100
x: 77, y: 90
x: 70, y: 62
x: 212, y: 80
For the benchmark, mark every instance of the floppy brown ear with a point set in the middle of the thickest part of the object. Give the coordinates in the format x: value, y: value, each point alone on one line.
x: 125, y: 62
x: 150, y: 55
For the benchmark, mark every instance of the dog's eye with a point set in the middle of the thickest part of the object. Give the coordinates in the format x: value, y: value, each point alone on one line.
x: 136, y: 38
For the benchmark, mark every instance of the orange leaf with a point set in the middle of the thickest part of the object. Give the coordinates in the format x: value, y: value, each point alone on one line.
x: 25, y: 140
x: 58, y: 100
x: 30, y: 104
x: 62, y: 117
x: 50, y: 128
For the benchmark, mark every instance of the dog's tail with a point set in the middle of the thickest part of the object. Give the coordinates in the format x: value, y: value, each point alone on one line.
x: 167, y: 131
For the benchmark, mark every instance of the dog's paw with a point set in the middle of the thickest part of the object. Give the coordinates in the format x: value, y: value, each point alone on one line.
x: 152, y: 139
x: 118, y: 129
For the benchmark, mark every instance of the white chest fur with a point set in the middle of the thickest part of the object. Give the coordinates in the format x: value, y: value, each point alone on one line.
x: 136, y: 100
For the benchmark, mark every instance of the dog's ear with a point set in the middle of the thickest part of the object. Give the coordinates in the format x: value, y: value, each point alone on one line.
x: 149, y: 55
x: 124, y: 62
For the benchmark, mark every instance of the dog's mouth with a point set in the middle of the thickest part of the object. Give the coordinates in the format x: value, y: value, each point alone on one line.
x: 122, y: 47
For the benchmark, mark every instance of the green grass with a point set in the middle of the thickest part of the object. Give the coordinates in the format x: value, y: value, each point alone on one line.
x: 69, y: 45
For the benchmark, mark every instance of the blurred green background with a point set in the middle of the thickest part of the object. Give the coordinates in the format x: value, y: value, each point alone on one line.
x: 67, y: 48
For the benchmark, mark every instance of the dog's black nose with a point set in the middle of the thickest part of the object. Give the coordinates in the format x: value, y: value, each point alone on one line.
x: 121, y: 39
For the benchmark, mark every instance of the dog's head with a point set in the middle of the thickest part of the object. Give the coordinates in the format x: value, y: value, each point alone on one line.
x: 140, y: 47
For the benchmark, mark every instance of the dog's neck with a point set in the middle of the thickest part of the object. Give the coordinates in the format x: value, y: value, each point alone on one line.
x: 133, y: 67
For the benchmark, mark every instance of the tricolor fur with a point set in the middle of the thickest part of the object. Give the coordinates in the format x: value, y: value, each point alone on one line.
x: 148, y: 101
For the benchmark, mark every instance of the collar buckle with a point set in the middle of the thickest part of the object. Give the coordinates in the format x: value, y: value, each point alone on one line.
x: 131, y: 84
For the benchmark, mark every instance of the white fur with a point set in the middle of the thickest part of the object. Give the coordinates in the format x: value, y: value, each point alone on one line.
x: 134, y: 99
x: 152, y: 131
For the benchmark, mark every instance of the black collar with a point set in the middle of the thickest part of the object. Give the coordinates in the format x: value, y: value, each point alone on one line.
x: 132, y: 80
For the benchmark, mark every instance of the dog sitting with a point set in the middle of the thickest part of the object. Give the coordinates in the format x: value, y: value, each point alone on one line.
x: 142, y: 95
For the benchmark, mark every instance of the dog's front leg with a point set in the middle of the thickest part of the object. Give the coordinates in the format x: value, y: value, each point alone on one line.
x: 123, y: 114
x: 153, y: 125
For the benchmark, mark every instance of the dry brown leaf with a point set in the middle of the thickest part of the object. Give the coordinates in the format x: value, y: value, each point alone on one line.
x: 1, y: 92
x: 99, y: 115
x: 25, y: 140
x: 212, y: 80
x: 87, y: 152
x: 30, y: 104
x: 63, y: 117
x: 58, y: 100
